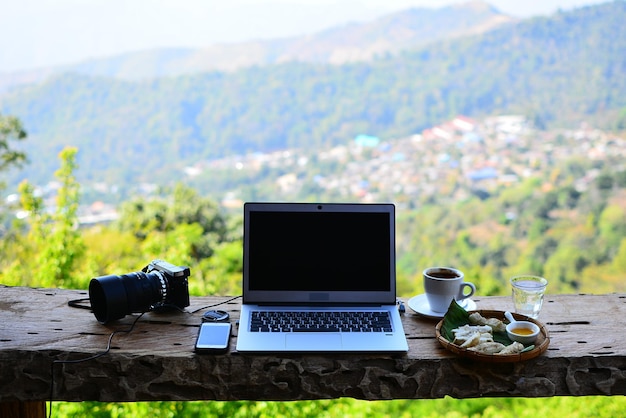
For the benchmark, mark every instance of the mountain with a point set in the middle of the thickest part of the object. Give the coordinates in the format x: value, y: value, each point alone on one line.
x: 350, y: 43
x: 558, y: 70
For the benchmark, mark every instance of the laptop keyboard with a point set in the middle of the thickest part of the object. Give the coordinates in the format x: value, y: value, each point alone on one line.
x: 285, y: 321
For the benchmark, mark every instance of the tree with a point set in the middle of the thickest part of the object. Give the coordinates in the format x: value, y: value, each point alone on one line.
x: 612, y: 226
x: 185, y: 228
x: 162, y: 219
x: 11, y: 129
x: 53, y: 238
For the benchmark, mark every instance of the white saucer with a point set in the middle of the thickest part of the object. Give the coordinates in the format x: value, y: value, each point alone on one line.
x: 420, y: 305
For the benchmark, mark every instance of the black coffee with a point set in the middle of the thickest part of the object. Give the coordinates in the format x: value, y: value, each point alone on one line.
x: 444, y: 274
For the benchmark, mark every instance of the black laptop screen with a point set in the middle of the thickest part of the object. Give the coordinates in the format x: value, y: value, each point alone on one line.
x: 319, y: 251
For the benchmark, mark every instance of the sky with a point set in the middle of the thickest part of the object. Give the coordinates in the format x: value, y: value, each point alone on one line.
x: 44, y: 33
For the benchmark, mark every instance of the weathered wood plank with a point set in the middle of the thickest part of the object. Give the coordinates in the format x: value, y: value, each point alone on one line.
x: 156, y: 360
x: 36, y: 409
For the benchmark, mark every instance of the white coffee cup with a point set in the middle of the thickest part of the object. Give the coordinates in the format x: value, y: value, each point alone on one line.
x: 442, y: 284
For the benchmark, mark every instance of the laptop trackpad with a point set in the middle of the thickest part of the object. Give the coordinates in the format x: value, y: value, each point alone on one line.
x: 314, y: 341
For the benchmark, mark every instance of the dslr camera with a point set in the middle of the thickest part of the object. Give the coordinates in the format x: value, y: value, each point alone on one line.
x: 158, y: 286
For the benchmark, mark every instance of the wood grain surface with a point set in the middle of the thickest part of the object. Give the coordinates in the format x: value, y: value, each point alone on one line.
x: 40, y: 333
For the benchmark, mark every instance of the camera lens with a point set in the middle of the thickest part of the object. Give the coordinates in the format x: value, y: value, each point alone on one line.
x: 115, y: 296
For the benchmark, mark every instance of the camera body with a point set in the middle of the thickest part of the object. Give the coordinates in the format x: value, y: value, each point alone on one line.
x: 176, y: 289
x: 158, y: 286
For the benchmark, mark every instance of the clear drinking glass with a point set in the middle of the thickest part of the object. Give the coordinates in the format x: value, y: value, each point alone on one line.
x: 528, y: 294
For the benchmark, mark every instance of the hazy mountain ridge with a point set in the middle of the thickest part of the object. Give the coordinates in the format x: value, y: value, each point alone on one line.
x: 348, y: 43
x: 393, y: 33
x: 557, y: 70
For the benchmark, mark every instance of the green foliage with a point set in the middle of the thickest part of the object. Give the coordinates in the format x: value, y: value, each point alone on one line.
x: 591, y: 406
x: 10, y: 130
x: 577, y: 243
x: 222, y: 272
x: 109, y: 251
x: 184, y: 228
x: 162, y: 217
x: 612, y: 224
x: 619, y: 262
x: 53, y: 242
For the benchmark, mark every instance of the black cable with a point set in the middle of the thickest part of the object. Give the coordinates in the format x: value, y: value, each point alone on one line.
x: 95, y: 356
x: 215, y: 304
x: 78, y: 303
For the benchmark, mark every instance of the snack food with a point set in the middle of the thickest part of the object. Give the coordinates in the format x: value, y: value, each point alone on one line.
x: 457, y: 317
x: 477, y: 319
x: 479, y: 338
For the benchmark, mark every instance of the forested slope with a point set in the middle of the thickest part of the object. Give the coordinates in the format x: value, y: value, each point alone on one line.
x: 558, y: 70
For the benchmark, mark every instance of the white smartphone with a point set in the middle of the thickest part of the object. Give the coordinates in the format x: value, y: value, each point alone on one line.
x: 213, y: 337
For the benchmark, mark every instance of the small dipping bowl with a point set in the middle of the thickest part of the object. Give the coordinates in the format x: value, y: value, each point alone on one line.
x: 524, y: 332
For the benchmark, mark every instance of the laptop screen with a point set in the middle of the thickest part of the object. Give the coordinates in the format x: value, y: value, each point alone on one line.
x: 319, y: 253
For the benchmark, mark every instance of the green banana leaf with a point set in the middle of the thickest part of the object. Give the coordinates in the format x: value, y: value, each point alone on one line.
x: 456, y: 317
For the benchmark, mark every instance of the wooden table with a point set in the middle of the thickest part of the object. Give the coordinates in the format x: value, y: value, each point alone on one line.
x: 156, y: 361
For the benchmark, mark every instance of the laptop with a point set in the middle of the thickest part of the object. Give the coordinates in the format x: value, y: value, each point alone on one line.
x: 319, y: 277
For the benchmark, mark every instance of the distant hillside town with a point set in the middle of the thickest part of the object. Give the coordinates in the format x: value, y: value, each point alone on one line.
x: 449, y: 162
x: 452, y: 160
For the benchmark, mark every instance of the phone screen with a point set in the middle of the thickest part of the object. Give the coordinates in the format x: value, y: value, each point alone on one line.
x: 213, y: 336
